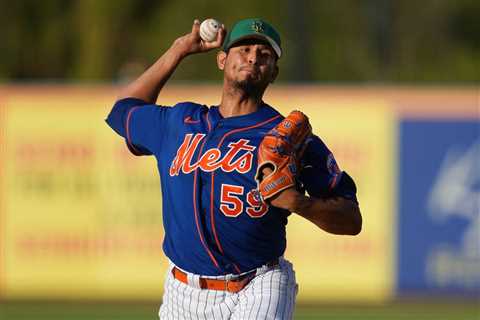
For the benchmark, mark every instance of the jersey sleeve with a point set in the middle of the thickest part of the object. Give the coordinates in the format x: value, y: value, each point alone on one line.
x: 139, y: 123
x: 320, y: 175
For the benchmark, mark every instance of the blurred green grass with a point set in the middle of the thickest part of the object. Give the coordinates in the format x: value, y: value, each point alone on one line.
x: 442, y: 310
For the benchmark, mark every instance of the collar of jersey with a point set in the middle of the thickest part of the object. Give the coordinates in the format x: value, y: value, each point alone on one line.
x: 263, y: 113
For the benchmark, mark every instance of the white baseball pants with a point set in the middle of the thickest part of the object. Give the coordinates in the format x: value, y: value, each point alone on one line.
x: 270, y: 295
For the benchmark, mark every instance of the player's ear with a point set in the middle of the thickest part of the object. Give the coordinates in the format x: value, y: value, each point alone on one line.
x: 221, y: 58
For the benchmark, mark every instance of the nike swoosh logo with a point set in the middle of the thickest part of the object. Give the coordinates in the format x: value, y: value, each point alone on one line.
x: 190, y: 120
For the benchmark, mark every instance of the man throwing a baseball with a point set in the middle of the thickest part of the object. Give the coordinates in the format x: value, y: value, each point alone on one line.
x: 231, y: 175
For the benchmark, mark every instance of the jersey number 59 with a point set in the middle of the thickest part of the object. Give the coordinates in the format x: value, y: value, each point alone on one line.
x: 232, y: 206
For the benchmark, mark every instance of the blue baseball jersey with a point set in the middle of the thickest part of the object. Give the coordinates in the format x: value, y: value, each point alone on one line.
x: 214, y: 224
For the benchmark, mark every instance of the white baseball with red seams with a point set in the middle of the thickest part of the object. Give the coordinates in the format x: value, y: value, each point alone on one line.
x: 209, y: 29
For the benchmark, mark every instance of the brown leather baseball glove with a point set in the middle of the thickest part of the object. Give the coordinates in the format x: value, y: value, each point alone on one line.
x: 280, y: 151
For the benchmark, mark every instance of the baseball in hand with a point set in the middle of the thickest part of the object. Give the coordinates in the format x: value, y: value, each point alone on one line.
x: 209, y: 29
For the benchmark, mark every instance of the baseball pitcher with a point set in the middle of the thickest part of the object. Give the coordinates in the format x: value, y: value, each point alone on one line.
x: 231, y: 174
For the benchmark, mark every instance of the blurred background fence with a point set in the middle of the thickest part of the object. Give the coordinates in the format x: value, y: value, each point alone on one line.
x: 391, y: 87
x: 81, y: 217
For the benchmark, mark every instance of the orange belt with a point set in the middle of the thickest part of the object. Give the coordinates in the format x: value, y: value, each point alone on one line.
x: 233, y: 286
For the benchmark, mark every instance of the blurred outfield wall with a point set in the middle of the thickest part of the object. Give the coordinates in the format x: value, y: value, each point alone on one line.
x: 80, y: 217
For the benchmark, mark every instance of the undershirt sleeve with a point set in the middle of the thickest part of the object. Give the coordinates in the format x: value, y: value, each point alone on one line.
x: 320, y: 175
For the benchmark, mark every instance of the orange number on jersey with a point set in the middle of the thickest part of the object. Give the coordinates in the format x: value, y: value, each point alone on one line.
x: 231, y: 205
x: 258, y: 208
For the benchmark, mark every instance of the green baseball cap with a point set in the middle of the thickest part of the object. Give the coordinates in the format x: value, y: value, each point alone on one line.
x: 256, y: 29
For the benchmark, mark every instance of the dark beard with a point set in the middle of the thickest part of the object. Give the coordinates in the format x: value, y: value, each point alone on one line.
x: 249, y: 87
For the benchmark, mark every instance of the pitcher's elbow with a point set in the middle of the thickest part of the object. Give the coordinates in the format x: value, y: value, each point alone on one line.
x: 356, y: 229
x: 356, y: 222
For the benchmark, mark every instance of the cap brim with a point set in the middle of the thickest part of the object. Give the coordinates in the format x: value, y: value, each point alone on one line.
x: 272, y: 43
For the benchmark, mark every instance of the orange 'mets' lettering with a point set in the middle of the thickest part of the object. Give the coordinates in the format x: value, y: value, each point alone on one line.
x: 212, y: 159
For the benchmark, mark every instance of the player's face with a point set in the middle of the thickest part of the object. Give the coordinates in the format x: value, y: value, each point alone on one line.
x: 250, y: 64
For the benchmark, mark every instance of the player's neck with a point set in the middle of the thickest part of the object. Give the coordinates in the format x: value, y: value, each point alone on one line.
x: 238, y: 103
x: 231, y: 108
